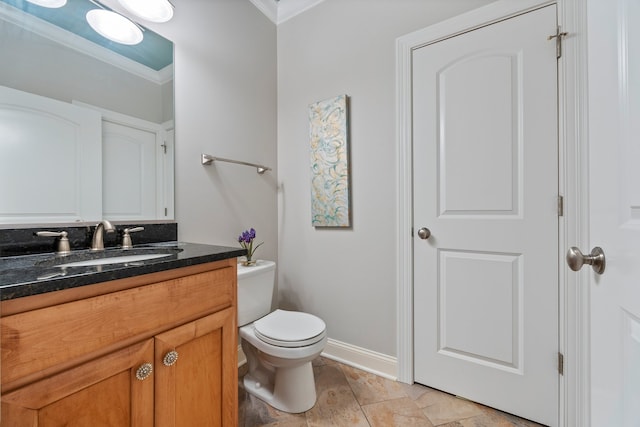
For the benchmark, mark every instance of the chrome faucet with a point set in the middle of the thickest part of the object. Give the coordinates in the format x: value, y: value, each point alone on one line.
x: 97, y: 242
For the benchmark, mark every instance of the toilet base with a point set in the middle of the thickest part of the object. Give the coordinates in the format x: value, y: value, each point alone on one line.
x: 290, y: 389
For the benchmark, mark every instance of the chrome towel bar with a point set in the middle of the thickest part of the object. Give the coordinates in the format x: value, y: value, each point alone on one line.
x: 208, y: 159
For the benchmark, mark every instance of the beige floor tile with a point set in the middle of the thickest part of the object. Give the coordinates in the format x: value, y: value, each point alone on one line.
x: 351, y: 397
x: 503, y: 419
x: 485, y: 421
x: 323, y: 361
x: 415, y: 391
x: 396, y: 413
x: 491, y: 419
x: 442, y: 408
x: 370, y: 388
x: 336, y: 404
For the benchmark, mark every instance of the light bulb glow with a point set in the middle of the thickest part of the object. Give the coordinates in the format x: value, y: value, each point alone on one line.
x: 53, y: 4
x: 149, y: 10
x: 114, y: 26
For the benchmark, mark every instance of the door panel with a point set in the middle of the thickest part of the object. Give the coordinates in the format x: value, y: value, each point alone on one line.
x: 466, y: 329
x: 614, y: 199
x: 463, y: 90
x: 485, y: 165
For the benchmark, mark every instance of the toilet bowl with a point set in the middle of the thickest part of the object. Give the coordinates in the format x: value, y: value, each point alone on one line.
x: 279, y: 346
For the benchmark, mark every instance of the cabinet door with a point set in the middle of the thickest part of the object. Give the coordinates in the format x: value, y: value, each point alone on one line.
x: 103, y: 392
x: 201, y: 387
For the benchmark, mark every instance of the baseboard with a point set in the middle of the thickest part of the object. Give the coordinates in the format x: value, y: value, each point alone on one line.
x: 357, y: 357
x: 361, y: 358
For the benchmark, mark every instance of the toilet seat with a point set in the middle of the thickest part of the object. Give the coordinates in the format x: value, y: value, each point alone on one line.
x: 289, y: 329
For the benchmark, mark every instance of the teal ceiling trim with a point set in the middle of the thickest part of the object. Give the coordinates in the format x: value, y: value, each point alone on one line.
x: 154, y: 51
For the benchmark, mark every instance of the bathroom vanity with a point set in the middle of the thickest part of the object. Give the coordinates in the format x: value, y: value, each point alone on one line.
x: 143, y: 343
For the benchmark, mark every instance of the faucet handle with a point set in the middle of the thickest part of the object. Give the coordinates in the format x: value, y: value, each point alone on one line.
x: 126, y: 238
x: 62, y: 246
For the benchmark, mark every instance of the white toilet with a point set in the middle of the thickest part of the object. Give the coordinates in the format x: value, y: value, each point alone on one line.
x: 279, y: 346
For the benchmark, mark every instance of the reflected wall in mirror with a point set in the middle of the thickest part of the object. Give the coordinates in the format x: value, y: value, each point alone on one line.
x: 85, y: 131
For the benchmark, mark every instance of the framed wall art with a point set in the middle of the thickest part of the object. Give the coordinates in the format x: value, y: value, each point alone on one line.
x: 328, y: 133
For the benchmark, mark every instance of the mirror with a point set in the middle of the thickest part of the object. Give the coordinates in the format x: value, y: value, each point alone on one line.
x: 53, y: 53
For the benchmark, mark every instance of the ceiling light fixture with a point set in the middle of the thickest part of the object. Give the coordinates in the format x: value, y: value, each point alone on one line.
x: 114, y: 26
x: 150, y: 10
x: 53, y: 4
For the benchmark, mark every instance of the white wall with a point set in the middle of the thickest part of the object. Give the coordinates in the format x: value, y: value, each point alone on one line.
x: 43, y: 67
x: 347, y: 277
x: 225, y: 105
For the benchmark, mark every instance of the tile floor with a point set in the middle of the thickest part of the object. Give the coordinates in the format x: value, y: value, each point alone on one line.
x: 352, y: 397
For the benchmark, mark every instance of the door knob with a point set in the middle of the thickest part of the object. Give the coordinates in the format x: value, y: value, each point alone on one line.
x: 424, y: 233
x: 595, y: 259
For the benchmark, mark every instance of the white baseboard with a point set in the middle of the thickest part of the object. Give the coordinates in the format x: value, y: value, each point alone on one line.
x: 361, y: 358
x: 357, y: 357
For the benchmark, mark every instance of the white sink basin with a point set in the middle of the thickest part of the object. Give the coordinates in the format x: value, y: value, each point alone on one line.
x: 113, y: 260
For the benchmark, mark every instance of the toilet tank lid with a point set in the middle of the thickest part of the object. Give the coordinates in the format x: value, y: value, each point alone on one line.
x: 259, y: 267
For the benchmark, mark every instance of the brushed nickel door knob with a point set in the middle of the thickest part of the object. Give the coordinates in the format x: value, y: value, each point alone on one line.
x: 596, y: 259
x: 424, y: 233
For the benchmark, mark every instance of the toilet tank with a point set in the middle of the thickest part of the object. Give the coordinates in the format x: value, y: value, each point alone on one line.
x: 255, y: 290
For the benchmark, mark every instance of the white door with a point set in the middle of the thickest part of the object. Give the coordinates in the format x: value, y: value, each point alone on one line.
x: 614, y: 199
x: 50, y: 168
x: 130, y: 172
x: 485, y: 165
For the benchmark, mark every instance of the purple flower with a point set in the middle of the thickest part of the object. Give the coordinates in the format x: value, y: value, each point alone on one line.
x: 246, y: 241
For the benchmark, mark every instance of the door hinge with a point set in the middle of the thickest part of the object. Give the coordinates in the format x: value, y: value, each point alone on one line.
x: 558, y: 36
x: 561, y: 363
x: 560, y: 206
x: 165, y: 211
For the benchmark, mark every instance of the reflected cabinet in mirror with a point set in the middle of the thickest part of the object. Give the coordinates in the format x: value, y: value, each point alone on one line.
x: 86, y: 124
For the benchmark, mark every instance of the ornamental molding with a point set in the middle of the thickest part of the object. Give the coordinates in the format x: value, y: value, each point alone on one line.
x: 279, y: 11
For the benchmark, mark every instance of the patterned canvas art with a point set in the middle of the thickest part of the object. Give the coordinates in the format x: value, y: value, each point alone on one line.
x: 329, y: 163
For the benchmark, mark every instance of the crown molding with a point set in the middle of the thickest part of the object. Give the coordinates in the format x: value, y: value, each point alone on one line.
x: 279, y: 11
x: 269, y: 8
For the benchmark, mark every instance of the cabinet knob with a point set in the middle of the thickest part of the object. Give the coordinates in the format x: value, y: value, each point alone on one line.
x: 170, y: 358
x: 143, y: 372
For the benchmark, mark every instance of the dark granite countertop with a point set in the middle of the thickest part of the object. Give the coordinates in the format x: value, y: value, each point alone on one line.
x: 26, y: 275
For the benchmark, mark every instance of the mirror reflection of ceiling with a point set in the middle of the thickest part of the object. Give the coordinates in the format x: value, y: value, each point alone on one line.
x: 154, y: 52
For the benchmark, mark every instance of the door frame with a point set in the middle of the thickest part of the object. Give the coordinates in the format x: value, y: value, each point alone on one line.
x: 573, y: 292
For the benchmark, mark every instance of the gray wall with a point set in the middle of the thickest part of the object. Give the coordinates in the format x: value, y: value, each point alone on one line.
x: 348, y: 277
x: 225, y: 105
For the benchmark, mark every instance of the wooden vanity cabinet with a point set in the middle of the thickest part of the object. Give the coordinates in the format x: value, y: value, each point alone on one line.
x: 81, y: 358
